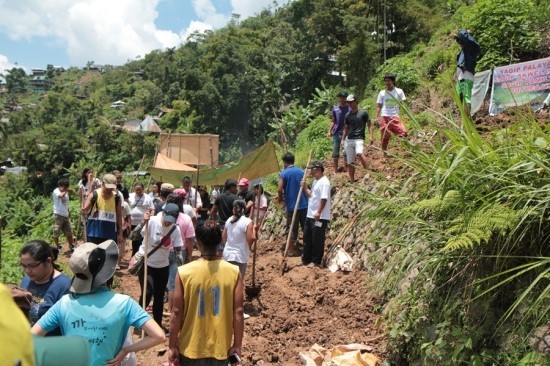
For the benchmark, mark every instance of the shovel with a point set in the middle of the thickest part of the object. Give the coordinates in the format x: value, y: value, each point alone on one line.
x: 253, y: 291
x: 283, y: 263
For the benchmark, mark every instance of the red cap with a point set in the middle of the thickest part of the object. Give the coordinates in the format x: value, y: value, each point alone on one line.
x: 243, y: 182
x: 180, y: 192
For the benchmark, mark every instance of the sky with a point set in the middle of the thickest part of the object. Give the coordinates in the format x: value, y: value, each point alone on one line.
x: 35, y: 33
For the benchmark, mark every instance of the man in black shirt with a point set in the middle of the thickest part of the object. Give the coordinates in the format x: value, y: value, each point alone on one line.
x: 353, y: 137
x: 223, y: 206
x: 246, y: 195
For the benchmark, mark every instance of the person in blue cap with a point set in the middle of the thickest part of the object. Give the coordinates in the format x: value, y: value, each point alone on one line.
x: 466, y: 62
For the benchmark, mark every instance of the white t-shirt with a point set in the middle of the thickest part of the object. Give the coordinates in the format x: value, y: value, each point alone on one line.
x: 60, y: 204
x: 187, y: 209
x: 263, y: 207
x: 127, y: 210
x: 320, y: 189
x: 157, y: 231
x: 389, y: 101
x: 463, y: 75
x: 213, y: 195
x: 139, y: 205
x: 190, y: 198
x: 96, y: 183
x: 236, y: 247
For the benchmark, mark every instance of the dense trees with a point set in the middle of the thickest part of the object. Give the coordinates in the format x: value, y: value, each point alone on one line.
x: 16, y: 82
x: 240, y: 81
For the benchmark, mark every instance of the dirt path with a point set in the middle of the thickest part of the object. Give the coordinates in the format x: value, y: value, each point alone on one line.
x: 292, y: 312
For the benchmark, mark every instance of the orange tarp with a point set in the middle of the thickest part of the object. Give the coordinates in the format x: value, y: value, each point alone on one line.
x: 164, y: 162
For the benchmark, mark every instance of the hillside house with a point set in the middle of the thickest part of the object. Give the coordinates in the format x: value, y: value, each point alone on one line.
x: 39, y: 81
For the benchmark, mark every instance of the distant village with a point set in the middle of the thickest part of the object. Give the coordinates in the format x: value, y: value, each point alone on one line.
x: 39, y: 79
x: 40, y: 82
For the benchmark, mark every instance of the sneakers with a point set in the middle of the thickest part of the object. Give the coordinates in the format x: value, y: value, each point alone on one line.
x: 246, y: 316
x: 312, y: 265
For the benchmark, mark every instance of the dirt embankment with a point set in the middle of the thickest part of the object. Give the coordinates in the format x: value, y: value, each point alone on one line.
x: 295, y: 310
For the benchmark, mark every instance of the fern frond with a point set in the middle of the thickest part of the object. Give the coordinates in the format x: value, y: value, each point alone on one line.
x: 470, y: 231
x: 437, y: 204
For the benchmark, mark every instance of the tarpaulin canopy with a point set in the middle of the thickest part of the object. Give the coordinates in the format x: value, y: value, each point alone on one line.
x: 259, y: 163
x: 169, y: 170
x: 196, y: 149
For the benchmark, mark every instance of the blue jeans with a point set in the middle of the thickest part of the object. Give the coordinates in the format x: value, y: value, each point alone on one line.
x: 301, y: 215
x: 314, y: 241
x: 336, y: 141
x: 173, y: 269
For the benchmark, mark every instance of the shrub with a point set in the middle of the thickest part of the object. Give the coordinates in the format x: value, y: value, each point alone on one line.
x: 468, y: 235
x: 502, y: 27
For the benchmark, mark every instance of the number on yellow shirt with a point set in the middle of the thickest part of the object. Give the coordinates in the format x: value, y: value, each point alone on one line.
x: 214, y: 297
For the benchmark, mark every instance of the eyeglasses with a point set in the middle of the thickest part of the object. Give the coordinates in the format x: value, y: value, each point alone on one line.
x: 30, y: 266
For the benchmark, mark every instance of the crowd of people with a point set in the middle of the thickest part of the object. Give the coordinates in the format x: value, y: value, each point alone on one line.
x: 205, y: 294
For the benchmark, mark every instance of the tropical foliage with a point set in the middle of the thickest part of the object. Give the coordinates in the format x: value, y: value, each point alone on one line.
x: 468, y: 237
x: 462, y: 261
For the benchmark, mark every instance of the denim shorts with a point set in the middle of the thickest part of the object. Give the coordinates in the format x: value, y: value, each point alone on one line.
x: 336, y: 141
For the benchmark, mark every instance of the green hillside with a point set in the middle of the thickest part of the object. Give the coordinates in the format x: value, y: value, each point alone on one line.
x: 458, y: 245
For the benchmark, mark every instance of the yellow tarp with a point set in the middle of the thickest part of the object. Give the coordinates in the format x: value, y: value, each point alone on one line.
x: 257, y: 164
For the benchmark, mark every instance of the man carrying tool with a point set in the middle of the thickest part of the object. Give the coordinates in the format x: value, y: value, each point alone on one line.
x: 318, y: 216
x: 192, y: 197
x: 288, y: 189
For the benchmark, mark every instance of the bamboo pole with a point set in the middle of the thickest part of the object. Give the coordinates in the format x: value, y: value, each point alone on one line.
x: 135, y: 176
x: 145, y: 257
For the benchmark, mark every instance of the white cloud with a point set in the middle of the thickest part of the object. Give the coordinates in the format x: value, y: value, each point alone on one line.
x: 207, y: 13
x: 105, y: 31
x: 195, y: 26
x: 6, y: 65
x: 110, y: 31
x: 210, y: 18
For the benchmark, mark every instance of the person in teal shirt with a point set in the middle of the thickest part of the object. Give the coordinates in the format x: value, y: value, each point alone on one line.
x: 97, y: 314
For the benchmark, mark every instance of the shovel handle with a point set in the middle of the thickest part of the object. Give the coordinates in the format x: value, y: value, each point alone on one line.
x: 296, y: 207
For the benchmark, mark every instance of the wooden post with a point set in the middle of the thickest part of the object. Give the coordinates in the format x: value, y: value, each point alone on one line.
x: 135, y: 176
x: 145, y: 256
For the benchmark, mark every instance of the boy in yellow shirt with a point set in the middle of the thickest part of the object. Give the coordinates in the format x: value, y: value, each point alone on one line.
x: 207, y: 324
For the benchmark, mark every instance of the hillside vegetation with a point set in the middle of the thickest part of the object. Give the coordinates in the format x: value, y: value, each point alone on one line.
x: 458, y: 249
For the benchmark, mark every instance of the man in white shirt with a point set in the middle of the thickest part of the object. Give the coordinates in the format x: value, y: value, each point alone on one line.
x: 387, y: 108
x: 192, y: 197
x: 318, y: 216
x: 61, y: 220
x: 139, y: 203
